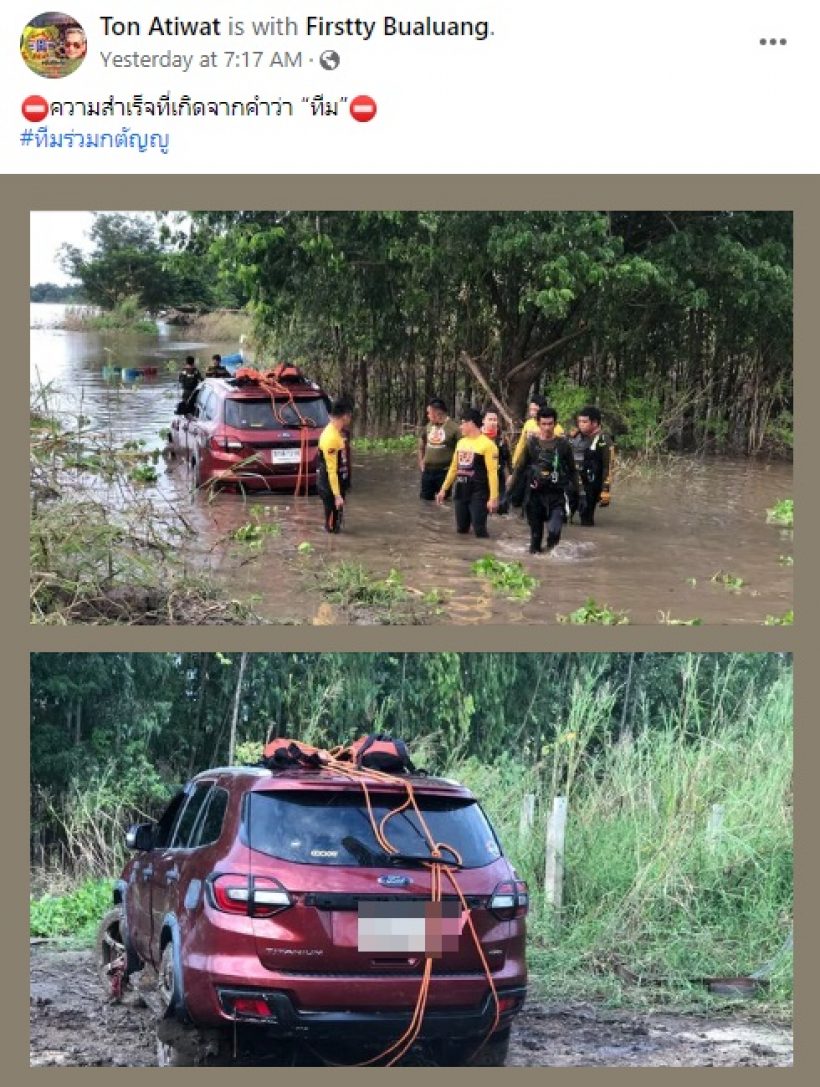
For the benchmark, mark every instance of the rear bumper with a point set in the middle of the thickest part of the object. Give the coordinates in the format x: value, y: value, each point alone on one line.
x: 288, y: 1020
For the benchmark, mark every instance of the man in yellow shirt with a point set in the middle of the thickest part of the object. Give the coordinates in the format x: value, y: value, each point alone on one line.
x: 474, y: 471
x: 333, y: 467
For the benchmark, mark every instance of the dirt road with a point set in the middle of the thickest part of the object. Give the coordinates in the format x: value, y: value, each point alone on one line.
x: 71, y: 1024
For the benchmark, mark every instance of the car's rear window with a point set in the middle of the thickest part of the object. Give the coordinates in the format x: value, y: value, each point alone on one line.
x: 264, y: 414
x: 335, y: 828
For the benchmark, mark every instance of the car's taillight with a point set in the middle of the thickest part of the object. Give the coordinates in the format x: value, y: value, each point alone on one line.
x: 255, y: 896
x: 226, y: 445
x: 510, y: 899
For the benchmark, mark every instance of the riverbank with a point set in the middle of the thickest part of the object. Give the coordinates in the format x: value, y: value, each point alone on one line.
x: 105, y: 547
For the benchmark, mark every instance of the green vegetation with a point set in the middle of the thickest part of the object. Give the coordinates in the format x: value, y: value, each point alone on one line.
x: 130, y: 258
x: 144, y: 473
x: 786, y: 560
x: 126, y: 316
x: 729, y: 581
x: 642, y: 745
x: 381, y: 600
x: 259, y: 528
x: 51, y: 292
x: 508, y: 578
x: 590, y: 612
x: 782, y: 513
x: 76, y: 913
x: 99, y: 563
x: 784, y: 620
x: 394, y: 444
x: 450, y: 302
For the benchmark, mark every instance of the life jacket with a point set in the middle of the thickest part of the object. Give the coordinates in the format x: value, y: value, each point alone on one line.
x: 288, y: 374
x: 285, y: 754
x: 376, y: 751
x: 547, y: 471
x: 588, y: 455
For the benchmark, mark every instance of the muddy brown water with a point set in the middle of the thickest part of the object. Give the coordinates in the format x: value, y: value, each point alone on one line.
x: 72, y: 1025
x: 654, y: 554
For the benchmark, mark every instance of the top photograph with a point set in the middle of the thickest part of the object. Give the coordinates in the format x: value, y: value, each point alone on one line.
x: 411, y: 418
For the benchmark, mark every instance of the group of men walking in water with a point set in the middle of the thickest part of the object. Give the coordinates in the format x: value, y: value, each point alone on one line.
x: 550, y: 476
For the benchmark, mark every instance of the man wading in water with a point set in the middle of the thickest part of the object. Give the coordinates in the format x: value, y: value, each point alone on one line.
x: 474, y: 470
x: 547, y: 468
x: 333, y: 472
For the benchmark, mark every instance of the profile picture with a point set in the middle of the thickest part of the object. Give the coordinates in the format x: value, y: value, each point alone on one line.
x: 53, y: 45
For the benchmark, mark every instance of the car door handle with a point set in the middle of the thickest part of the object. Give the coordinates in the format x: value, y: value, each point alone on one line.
x: 172, y: 875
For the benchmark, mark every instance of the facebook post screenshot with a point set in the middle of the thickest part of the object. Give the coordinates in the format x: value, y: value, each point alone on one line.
x: 411, y: 401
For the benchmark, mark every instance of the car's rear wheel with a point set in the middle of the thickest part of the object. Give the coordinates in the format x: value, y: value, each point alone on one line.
x: 180, y: 1044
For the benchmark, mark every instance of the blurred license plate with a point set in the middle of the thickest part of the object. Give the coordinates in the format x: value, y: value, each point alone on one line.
x: 284, y: 456
x: 409, y: 927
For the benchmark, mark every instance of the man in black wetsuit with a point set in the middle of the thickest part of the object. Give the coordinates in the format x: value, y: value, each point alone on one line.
x: 593, y: 453
x: 547, y: 467
x: 216, y: 369
x: 189, y: 380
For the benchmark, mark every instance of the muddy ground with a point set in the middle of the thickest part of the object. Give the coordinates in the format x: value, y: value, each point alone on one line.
x: 71, y: 1024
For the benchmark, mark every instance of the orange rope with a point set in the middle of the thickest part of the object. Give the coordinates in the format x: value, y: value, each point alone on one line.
x: 333, y: 760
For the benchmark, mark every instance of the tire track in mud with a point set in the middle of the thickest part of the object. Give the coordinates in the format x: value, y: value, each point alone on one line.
x: 71, y: 1024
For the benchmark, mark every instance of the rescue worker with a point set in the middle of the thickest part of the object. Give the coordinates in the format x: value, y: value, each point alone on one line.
x: 474, y: 471
x: 547, y: 466
x: 594, y: 457
x: 189, y: 380
x: 437, y: 443
x: 491, y: 428
x: 516, y: 494
x: 333, y: 467
x: 216, y: 369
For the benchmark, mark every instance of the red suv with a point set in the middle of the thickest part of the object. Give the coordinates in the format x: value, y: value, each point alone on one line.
x: 276, y: 922
x: 238, y: 433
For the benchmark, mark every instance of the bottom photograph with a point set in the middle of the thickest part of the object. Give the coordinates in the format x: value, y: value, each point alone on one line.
x: 411, y: 859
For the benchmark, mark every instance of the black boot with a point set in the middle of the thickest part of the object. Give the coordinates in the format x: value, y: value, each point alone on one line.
x: 552, y: 540
x: 535, y: 543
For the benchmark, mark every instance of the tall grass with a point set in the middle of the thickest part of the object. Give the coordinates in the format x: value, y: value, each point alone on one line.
x: 646, y: 884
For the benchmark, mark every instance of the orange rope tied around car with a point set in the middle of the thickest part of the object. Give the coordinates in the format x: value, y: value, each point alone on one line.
x: 333, y: 761
x: 270, y: 382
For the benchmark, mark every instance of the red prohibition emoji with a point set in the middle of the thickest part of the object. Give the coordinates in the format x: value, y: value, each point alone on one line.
x: 35, y: 108
x: 363, y: 108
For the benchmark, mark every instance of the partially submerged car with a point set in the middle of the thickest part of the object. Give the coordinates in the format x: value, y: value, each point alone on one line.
x: 253, y: 433
x: 273, y: 919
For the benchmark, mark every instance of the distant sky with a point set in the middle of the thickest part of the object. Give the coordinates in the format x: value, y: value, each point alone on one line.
x: 49, y: 230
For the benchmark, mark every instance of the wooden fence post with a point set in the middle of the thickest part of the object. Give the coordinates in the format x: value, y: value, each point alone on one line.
x: 554, y: 869
x: 527, y: 817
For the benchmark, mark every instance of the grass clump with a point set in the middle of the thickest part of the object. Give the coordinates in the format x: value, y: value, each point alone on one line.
x: 394, y: 444
x: 784, y: 620
x: 733, y: 582
x: 781, y: 513
x: 375, y: 599
x: 508, y: 578
x: 76, y: 913
x: 127, y: 316
x: 254, y: 532
x: 590, y: 612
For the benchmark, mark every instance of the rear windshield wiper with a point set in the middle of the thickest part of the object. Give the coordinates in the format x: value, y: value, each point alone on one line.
x: 371, y: 859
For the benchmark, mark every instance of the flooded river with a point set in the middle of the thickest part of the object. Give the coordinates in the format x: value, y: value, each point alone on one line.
x: 661, y: 552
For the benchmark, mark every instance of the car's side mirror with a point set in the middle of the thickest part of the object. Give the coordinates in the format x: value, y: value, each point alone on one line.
x: 140, y: 836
